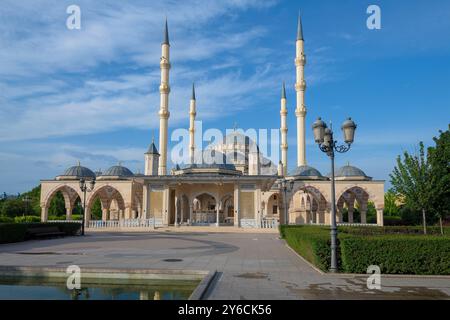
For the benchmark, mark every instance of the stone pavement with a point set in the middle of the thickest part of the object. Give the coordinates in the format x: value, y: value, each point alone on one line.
x: 250, y: 265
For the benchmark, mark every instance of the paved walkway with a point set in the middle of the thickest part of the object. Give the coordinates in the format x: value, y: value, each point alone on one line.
x: 250, y: 265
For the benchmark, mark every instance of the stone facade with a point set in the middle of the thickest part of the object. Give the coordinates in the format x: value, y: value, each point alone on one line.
x: 247, y: 190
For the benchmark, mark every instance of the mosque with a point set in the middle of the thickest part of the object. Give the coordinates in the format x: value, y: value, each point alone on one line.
x: 227, y: 184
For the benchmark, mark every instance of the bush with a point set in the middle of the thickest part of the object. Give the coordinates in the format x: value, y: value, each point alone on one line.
x: 5, y: 219
x: 368, y: 231
x: 69, y: 228
x: 311, y: 242
x: 395, y: 249
x: 21, y: 219
x: 12, y: 232
x: 396, y: 254
x: 15, y: 232
x: 393, y: 221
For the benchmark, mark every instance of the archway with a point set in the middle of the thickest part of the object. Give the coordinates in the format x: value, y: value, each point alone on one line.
x: 352, y: 206
x: 112, y: 204
x: 226, y: 214
x: 307, y: 205
x: 205, y: 208
x: 69, y: 197
x: 273, y: 207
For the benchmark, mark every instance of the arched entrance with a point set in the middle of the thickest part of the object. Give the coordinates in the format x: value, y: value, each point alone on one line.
x: 70, y: 196
x: 226, y: 214
x: 307, y: 205
x: 352, y: 206
x: 112, y: 204
x: 205, y: 209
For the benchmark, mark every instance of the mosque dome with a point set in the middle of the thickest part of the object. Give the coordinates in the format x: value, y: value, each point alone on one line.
x: 118, y: 171
x: 349, y: 172
x: 78, y: 172
x: 306, y: 172
x: 212, y: 162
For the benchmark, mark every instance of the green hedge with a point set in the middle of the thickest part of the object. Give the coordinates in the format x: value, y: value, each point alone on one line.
x: 396, y: 254
x: 16, y: 232
x: 12, y: 232
x: 74, y: 217
x: 21, y: 219
x: 401, y: 250
x: 6, y: 219
x: 368, y: 231
x: 311, y: 242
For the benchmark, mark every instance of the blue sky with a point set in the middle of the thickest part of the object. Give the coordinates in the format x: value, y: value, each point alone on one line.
x: 92, y: 94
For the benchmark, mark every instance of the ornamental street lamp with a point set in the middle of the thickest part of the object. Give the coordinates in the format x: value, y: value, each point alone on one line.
x: 26, y: 200
x: 85, y: 188
x: 323, y: 136
x: 285, y: 186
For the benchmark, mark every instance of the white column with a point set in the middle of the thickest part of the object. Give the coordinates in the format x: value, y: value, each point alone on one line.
x: 166, y: 206
x: 176, y: 211
x: 363, y: 215
x: 380, y: 217
x: 44, y: 213
x: 69, y: 213
x: 104, y: 214
x: 217, y: 213
x: 284, y: 130
x: 236, y: 205
x: 350, y: 214
x: 164, y: 113
x: 182, y: 209
x: 258, y: 206
x: 192, y: 114
x: 300, y: 86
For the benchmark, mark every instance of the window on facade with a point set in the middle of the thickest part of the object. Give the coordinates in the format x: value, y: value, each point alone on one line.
x: 275, y: 210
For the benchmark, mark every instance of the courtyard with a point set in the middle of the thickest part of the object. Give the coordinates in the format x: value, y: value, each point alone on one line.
x: 249, y: 264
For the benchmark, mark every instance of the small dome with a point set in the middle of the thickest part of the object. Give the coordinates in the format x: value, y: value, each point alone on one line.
x: 118, y: 171
x: 79, y: 172
x: 349, y: 171
x: 305, y: 171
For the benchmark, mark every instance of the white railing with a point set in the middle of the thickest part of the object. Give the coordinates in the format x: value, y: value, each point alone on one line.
x: 204, y: 217
x: 248, y: 223
x: 126, y: 223
x: 353, y: 224
x: 268, y: 223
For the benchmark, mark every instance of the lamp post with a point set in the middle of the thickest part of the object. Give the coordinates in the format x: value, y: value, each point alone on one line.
x: 26, y: 200
x: 285, y: 185
x: 323, y: 136
x: 85, y: 188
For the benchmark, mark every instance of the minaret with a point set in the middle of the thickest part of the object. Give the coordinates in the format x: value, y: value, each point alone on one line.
x: 300, y: 86
x: 283, y: 129
x: 192, y: 114
x: 164, y: 113
x: 151, y: 160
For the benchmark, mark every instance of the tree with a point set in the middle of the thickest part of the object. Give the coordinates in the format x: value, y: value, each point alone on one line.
x: 390, y: 204
x: 439, y: 158
x: 411, y: 179
x: 13, y: 207
x: 57, y: 205
x: 96, y: 210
